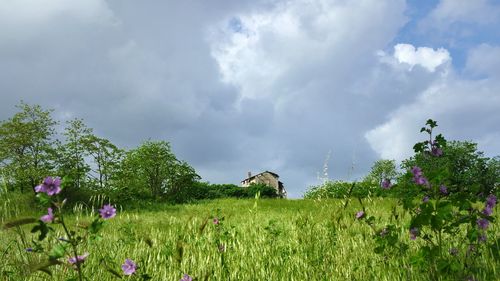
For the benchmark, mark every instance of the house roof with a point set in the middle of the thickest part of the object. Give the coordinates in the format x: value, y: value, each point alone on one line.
x: 274, y: 174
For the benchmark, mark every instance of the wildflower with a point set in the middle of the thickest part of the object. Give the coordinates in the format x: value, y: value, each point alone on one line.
x: 443, y: 189
x: 414, y: 232
x: 129, y: 267
x: 360, y: 215
x: 386, y: 184
x: 78, y: 259
x: 453, y: 251
x: 436, y: 151
x: 50, y: 185
x: 186, y: 277
x: 491, y: 201
x: 483, y: 223
x: 384, y: 232
x: 416, y: 171
x: 29, y: 249
x: 216, y: 221
x: 107, y: 211
x: 487, y: 211
x: 420, y: 180
x: 425, y: 199
x: 48, y: 217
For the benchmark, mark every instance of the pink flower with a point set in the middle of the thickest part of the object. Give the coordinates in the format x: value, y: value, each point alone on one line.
x: 107, y: 212
x: 216, y: 221
x: 50, y: 185
x: 129, y: 267
x: 386, y: 184
x: 78, y: 259
x: 360, y: 215
x: 48, y: 217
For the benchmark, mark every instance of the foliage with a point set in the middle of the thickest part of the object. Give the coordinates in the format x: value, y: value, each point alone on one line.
x: 154, y: 170
x: 279, y: 240
x: 443, y: 208
x: 464, y: 166
x: 26, y: 147
x: 380, y: 171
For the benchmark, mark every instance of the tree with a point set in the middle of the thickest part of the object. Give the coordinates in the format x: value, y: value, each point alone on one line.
x: 466, y: 168
x: 153, y: 168
x: 26, y: 146
x: 380, y: 171
x: 106, y: 157
x: 74, y: 151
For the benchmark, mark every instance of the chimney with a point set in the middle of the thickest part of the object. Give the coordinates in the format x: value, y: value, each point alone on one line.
x: 249, y: 175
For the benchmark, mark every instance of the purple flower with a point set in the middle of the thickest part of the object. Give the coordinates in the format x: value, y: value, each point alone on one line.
x: 443, y: 189
x: 487, y: 211
x: 386, y: 184
x: 48, y: 217
x: 483, y: 223
x: 360, y: 215
x: 491, y: 201
x: 414, y: 232
x: 129, y: 267
x: 453, y: 251
x: 107, y: 211
x: 50, y: 185
x: 421, y: 180
x: 29, y: 249
x: 436, y: 151
x: 425, y: 199
x: 186, y: 277
x: 216, y: 221
x: 78, y: 259
x: 416, y: 171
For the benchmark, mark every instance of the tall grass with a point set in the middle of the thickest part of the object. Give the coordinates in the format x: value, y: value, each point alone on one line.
x: 271, y: 240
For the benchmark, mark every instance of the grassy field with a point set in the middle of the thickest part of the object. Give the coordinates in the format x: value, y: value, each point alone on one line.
x: 262, y: 240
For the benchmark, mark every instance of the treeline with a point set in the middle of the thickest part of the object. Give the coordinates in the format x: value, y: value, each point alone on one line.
x: 31, y: 148
x: 466, y: 168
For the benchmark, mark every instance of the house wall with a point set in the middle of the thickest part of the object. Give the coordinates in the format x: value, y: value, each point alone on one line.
x: 264, y: 178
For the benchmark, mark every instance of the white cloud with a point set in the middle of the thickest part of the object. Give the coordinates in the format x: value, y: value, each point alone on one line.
x: 484, y: 60
x: 302, y: 36
x: 464, y: 110
x: 448, y: 12
x: 423, y: 56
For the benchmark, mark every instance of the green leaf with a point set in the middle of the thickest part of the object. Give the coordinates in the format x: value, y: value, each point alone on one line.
x: 42, y: 228
x: 95, y: 226
x: 57, y: 251
x: 44, y: 266
x: 43, y: 198
x: 19, y: 222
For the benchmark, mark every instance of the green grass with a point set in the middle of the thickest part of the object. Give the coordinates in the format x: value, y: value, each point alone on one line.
x: 274, y: 240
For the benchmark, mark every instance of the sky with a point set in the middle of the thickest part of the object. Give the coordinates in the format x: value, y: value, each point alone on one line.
x: 255, y: 85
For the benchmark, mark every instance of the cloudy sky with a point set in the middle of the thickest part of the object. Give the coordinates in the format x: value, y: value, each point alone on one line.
x: 254, y: 85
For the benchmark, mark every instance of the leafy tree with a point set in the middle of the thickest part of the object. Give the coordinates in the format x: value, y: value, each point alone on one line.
x: 27, y: 146
x: 106, y: 157
x: 465, y: 167
x: 380, y: 171
x: 153, y: 168
x: 73, y: 152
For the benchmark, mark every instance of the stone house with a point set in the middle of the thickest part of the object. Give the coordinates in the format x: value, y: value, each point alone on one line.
x: 268, y: 178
